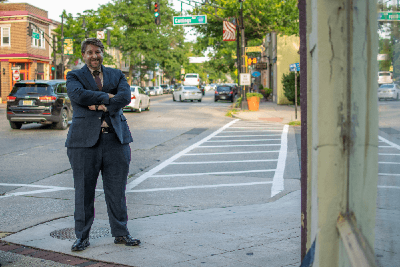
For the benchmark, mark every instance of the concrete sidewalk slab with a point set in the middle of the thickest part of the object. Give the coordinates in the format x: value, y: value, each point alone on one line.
x: 252, y: 235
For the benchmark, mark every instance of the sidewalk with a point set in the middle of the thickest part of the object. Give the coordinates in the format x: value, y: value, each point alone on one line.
x: 271, y: 112
x: 266, y: 234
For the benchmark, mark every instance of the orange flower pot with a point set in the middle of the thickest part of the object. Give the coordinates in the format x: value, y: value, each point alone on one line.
x: 253, y: 103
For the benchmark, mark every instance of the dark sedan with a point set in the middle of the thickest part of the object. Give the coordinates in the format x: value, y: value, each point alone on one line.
x: 224, y: 92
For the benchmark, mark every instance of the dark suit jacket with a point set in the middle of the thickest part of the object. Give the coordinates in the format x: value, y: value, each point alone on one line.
x: 83, y: 92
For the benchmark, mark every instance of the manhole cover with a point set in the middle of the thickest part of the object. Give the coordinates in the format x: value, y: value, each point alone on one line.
x: 69, y: 233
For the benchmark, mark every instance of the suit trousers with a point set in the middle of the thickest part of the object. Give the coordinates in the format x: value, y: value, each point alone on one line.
x: 111, y: 158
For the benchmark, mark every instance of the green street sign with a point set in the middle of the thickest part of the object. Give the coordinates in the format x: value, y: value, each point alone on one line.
x: 35, y: 35
x: 190, y: 20
x: 389, y: 16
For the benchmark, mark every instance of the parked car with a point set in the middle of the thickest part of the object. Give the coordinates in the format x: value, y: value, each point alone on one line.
x: 152, y: 90
x: 165, y: 88
x: 139, y: 100
x: 224, y: 92
x: 387, y: 91
x: 187, y: 93
x: 159, y: 90
x: 171, y: 89
x: 146, y: 90
x: 385, y: 77
x: 192, y: 79
x: 39, y: 101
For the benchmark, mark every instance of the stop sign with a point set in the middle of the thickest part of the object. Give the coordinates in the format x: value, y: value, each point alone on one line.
x: 16, y: 76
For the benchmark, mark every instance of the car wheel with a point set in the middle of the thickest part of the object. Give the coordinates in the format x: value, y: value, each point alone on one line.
x: 63, y: 123
x: 148, y: 106
x: 379, y: 99
x: 199, y: 100
x: 191, y: 100
x: 139, y: 110
x: 215, y: 100
x: 180, y: 99
x: 15, y: 125
x: 173, y: 97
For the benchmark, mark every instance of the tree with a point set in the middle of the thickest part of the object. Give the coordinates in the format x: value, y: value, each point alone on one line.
x: 289, y: 88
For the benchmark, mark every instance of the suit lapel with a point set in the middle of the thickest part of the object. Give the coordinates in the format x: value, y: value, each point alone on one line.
x: 106, y: 78
x: 89, y: 77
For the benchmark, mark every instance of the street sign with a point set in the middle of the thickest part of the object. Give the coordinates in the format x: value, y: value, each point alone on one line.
x: 190, y: 20
x: 16, y: 75
x: 389, y: 16
x: 245, y: 79
x: 261, y: 66
x: 100, y: 35
x: 294, y: 67
x: 35, y: 35
x: 68, y: 46
x: 256, y: 74
x: 255, y: 49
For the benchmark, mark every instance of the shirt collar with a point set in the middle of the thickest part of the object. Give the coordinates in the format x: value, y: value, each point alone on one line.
x: 91, y: 70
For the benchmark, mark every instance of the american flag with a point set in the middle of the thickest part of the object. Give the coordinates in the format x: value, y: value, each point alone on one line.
x: 229, y: 30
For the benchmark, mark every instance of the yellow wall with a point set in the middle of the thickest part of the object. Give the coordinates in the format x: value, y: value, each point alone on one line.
x: 287, y: 48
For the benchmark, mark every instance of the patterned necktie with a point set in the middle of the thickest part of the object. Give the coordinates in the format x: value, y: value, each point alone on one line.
x: 97, y: 79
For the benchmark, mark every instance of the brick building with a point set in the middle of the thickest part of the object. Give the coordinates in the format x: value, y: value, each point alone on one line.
x: 32, y: 56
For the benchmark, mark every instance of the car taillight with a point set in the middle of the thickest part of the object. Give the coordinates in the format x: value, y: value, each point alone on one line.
x: 198, y: 79
x: 231, y: 92
x: 216, y: 92
x: 47, y: 99
x: 11, y: 98
x: 133, y: 97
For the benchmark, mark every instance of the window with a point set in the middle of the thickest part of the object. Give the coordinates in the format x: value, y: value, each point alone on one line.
x: 5, y: 36
x: 38, y: 42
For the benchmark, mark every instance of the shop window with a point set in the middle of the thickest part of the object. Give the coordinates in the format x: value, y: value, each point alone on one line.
x: 5, y: 36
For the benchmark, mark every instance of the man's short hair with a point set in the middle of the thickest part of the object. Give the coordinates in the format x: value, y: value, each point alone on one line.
x: 91, y: 41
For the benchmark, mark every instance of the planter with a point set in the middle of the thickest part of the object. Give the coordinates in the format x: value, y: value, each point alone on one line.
x: 253, y: 103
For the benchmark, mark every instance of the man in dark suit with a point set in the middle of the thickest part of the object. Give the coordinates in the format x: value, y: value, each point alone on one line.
x: 98, y: 140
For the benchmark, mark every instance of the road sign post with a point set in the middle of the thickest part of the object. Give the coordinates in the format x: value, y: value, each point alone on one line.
x: 189, y: 20
x: 295, y: 67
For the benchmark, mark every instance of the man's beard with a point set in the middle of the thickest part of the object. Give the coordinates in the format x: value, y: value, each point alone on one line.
x: 95, y: 61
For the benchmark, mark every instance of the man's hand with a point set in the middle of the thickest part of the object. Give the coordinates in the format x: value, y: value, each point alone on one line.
x: 110, y: 95
x: 99, y: 107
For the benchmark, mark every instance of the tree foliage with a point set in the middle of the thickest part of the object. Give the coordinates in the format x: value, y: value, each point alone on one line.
x: 289, y: 86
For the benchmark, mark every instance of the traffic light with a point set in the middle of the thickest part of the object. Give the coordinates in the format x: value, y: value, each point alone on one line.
x: 29, y: 30
x: 157, y: 13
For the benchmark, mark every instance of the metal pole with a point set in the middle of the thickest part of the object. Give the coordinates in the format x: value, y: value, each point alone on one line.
x: 244, y: 102
x: 54, y: 58
x: 238, y: 50
x: 62, y: 45
x: 295, y: 93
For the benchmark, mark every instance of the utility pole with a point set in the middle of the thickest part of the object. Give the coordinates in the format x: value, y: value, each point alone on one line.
x: 62, y: 45
x: 54, y: 58
x: 244, y: 101
x: 238, y: 49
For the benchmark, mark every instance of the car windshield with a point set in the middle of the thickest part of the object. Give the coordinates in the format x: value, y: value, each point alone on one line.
x: 384, y: 74
x: 151, y: 88
x: 191, y: 76
x: 164, y: 86
x: 387, y: 86
x: 25, y: 89
x: 223, y: 89
x: 190, y: 88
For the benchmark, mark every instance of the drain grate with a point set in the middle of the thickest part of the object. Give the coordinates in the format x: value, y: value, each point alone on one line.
x: 69, y: 233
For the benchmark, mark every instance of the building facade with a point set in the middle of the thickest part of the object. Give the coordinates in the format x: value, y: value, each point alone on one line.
x: 23, y: 57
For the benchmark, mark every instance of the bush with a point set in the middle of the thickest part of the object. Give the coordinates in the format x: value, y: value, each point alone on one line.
x: 266, y: 92
x: 248, y: 95
x: 238, y: 103
x: 288, y: 86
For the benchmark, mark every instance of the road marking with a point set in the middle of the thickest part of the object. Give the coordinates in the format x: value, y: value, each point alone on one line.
x: 209, y: 173
x: 195, y: 187
x: 389, y: 143
x: 252, y: 127
x: 220, y: 136
x: 387, y: 154
x: 388, y: 187
x: 388, y: 174
x: 389, y: 162
x: 278, y: 183
x: 232, y: 161
x: 229, y: 153
x: 386, y: 146
x: 241, y: 145
x: 161, y: 166
x: 253, y: 131
x: 245, y: 140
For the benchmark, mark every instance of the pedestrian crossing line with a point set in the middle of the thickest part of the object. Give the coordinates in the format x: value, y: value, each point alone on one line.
x: 388, y: 174
x: 240, y: 145
x: 226, y: 161
x: 209, y: 173
x: 229, y: 153
x: 389, y: 143
x: 253, y: 140
x: 278, y: 182
x: 388, y: 187
x: 388, y: 154
x: 252, y: 127
x: 255, y: 135
x: 389, y: 163
x: 195, y: 187
x: 164, y: 164
x: 386, y: 147
x: 252, y: 131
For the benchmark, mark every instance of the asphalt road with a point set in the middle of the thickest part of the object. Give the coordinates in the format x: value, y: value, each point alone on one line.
x: 185, y: 156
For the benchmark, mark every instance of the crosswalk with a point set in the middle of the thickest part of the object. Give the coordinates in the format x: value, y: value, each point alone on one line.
x: 239, y: 148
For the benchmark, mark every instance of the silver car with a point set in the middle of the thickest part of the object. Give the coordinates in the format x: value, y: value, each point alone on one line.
x: 187, y: 93
x: 139, y: 100
x: 389, y: 91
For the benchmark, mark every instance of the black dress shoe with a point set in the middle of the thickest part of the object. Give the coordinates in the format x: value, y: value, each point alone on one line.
x: 80, y: 244
x: 128, y: 240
